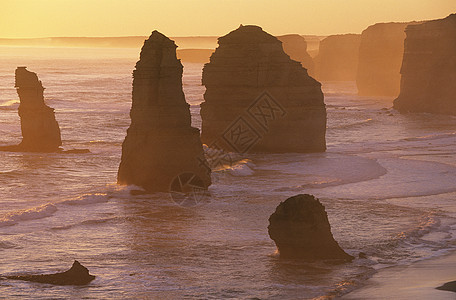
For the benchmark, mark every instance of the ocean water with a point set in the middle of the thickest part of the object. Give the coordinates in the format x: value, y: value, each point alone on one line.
x: 388, y: 182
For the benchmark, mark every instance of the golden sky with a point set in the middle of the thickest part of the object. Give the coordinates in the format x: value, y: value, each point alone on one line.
x: 50, y: 18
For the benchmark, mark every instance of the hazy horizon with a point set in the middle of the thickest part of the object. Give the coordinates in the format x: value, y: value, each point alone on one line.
x: 35, y: 19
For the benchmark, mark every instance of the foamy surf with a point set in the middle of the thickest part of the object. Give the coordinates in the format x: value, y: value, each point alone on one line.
x: 35, y: 213
x: 241, y: 168
x: 48, y: 210
x: 87, y: 199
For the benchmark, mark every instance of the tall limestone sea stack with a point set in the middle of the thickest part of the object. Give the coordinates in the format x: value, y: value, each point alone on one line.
x: 160, y: 144
x: 380, y: 59
x: 337, y: 59
x: 258, y: 99
x: 296, y: 47
x: 428, y: 71
x: 40, y: 130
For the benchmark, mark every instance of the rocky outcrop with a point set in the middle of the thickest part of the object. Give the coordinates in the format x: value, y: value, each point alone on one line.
x: 76, y: 275
x: 296, y: 47
x: 40, y: 130
x: 258, y: 99
x: 160, y: 143
x: 337, y: 59
x: 449, y: 286
x: 380, y: 59
x: 428, y: 71
x: 300, y: 229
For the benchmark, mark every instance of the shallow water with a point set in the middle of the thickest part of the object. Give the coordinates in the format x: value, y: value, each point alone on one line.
x: 387, y: 182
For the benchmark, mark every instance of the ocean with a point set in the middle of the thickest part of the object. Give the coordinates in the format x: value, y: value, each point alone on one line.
x: 387, y: 181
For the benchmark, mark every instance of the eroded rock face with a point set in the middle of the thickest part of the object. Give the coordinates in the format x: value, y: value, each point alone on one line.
x: 40, y: 130
x: 337, y: 59
x: 300, y: 229
x: 380, y: 59
x: 76, y: 275
x: 160, y: 143
x: 428, y: 71
x: 296, y: 47
x: 258, y: 99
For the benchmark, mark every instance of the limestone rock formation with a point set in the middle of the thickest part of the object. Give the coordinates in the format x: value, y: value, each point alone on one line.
x: 300, y: 229
x: 160, y: 143
x: 296, y: 47
x: 258, y: 99
x: 40, y: 130
x: 380, y: 59
x: 76, y: 275
x: 337, y: 59
x: 428, y: 71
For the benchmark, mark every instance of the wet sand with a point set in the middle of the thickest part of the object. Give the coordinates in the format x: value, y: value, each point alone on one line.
x: 415, y: 281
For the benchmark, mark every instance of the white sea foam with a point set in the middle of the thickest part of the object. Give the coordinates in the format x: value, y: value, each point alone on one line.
x: 241, y: 168
x: 88, y: 199
x: 323, y: 170
x: 35, y: 213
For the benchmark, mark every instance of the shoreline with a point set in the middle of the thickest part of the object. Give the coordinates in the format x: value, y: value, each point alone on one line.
x: 418, y: 280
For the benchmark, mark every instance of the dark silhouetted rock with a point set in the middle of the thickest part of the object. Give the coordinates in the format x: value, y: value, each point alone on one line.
x: 428, y: 71
x: 337, y: 59
x: 449, y: 286
x: 40, y: 130
x: 258, y: 99
x: 76, y: 275
x: 296, y: 47
x: 380, y: 59
x: 300, y: 229
x: 160, y: 143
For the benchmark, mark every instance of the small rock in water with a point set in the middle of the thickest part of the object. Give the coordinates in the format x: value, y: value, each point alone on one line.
x: 300, y: 229
x: 449, y: 286
x: 76, y: 275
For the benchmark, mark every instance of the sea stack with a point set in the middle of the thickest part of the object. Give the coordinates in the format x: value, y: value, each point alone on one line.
x: 300, y: 229
x: 337, y: 59
x: 428, y: 71
x: 380, y: 59
x: 258, y: 99
x: 40, y: 130
x: 160, y: 144
x: 296, y: 47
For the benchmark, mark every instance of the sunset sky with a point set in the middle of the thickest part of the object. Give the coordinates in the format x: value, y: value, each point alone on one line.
x: 46, y: 18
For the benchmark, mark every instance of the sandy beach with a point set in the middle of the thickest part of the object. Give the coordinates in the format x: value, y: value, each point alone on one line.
x: 416, y: 281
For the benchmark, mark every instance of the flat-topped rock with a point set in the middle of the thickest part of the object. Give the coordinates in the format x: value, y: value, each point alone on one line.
x: 380, y: 58
x: 160, y: 143
x: 337, y: 59
x: 258, y: 99
x: 429, y: 68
